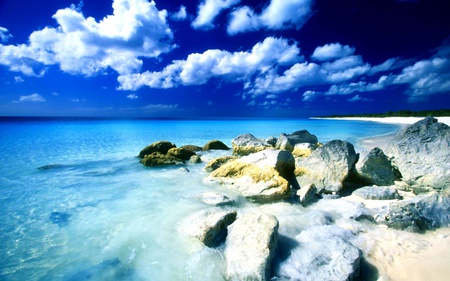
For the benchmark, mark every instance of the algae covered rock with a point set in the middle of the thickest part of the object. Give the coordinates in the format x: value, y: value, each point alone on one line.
x: 180, y: 153
x: 159, y: 159
x: 250, y: 247
x: 261, y: 177
x: 246, y: 144
x: 219, y: 161
x: 159, y: 146
x: 215, y: 145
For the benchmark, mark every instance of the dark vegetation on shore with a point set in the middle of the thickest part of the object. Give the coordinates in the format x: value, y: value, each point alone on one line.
x: 401, y: 113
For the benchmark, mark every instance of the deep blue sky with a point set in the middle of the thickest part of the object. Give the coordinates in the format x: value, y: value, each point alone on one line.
x: 219, y: 58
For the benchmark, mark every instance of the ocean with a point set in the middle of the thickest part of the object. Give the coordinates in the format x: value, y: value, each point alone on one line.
x: 76, y: 204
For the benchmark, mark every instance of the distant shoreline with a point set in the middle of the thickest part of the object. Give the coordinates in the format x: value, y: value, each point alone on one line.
x: 388, y: 120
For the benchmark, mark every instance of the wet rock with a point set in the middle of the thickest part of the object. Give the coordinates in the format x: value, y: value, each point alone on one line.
x: 421, y: 152
x: 250, y: 247
x: 262, y: 177
x: 376, y: 168
x: 180, y: 153
x: 215, y: 145
x: 247, y: 144
x: 160, y: 147
x: 424, y: 212
x: 208, y: 226
x: 158, y: 159
x: 377, y: 192
x: 328, y: 166
x: 219, y: 161
x: 195, y: 159
x: 272, y: 141
x: 306, y: 194
x: 193, y: 148
x: 216, y: 199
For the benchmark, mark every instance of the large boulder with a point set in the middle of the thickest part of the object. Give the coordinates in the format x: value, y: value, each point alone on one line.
x: 159, y: 146
x: 247, y: 144
x: 180, y: 153
x: 208, y: 226
x: 215, y: 145
x: 250, y: 247
x: 324, y: 253
x: 263, y: 176
x: 328, y: 166
x: 421, y: 213
x: 377, y: 192
x: 374, y: 167
x: 159, y: 159
x: 300, y: 143
x: 421, y: 152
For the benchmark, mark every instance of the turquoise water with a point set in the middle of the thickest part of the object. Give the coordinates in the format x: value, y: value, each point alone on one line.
x: 95, y: 213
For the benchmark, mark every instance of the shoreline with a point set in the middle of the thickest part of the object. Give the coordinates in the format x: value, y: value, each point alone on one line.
x: 388, y: 120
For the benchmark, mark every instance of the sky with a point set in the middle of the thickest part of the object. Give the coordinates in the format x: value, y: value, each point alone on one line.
x: 222, y: 58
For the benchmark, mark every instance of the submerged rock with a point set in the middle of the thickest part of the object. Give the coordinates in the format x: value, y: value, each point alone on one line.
x: 424, y: 212
x: 376, y: 168
x: 159, y: 146
x: 261, y: 177
x: 421, y: 152
x: 328, y: 166
x: 250, y: 247
x: 247, y: 144
x: 377, y: 192
x: 208, y: 226
x: 215, y: 145
x: 60, y: 218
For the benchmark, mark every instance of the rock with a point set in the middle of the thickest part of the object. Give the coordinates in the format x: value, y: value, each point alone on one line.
x: 250, y: 247
x: 421, y: 213
x: 180, y: 153
x: 158, y: 159
x: 306, y: 194
x: 215, y: 145
x: 262, y: 177
x: 208, y: 226
x: 160, y: 146
x: 288, y: 142
x: 377, y: 192
x: 247, y: 144
x: 195, y: 159
x: 216, y: 199
x: 376, y: 168
x: 303, y: 149
x: 328, y: 166
x: 272, y: 141
x: 219, y: 161
x: 421, y: 152
x: 324, y: 253
x: 191, y: 147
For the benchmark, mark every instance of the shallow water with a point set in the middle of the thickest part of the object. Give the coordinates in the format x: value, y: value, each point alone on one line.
x: 77, y: 205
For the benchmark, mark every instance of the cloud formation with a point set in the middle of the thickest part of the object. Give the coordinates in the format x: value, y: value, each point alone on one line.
x: 4, y: 34
x: 208, y: 10
x: 279, y: 14
x: 31, y: 98
x: 81, y: 45
x: 332, y: 51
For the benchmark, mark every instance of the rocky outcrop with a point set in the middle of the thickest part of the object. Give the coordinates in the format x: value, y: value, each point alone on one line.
x: 159, y: 146
x: 159, y: 159
x: 306, y: 194
x: 325, y: 254
x: 219, y: 161
x: 300, y: 143
x: 376, y: 168
x: 421, y: 213
x: 250, y: 247
x: 421, y: 152
x: 215, y: 145
x: 208, y: 226
x: 247, y: 144
x: 377, y: 192
x: 328, y: 166
x: 260, y: 177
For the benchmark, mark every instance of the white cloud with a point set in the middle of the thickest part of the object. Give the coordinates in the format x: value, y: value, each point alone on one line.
x: 132, y: 96
x: 4, y: 34
x: 358, y: 98
x: 180, y: 15
x: 197, y: 69
x: 279, y: 14
x: 18, y: 79
x: 208, y: 10
x: 332, y: 51
x: 31, y: 98
x: 84, y: 46
x: 310, y: 95
x: 161, y: 106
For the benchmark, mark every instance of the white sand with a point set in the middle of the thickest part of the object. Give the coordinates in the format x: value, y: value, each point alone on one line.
x: 393, y: 120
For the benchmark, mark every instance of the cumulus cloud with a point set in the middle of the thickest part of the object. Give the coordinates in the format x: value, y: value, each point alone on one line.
x: 208, y: 10
x: 279, y: 14
x: 81, y: 45
x: 358, y: 98
x: 197, y: 69
x: 4, y: 34
x: 180, y: 15
x: 132, y: 96
x: 31, y: 98
x: 332, y: 51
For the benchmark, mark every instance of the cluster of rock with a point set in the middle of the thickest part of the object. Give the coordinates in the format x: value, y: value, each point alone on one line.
x: 296, y: 166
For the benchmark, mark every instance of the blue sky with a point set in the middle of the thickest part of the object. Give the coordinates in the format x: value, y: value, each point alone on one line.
x: 219, y: 58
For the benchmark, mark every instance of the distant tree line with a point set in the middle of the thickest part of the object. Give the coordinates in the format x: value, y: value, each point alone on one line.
x: 401, y: 113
